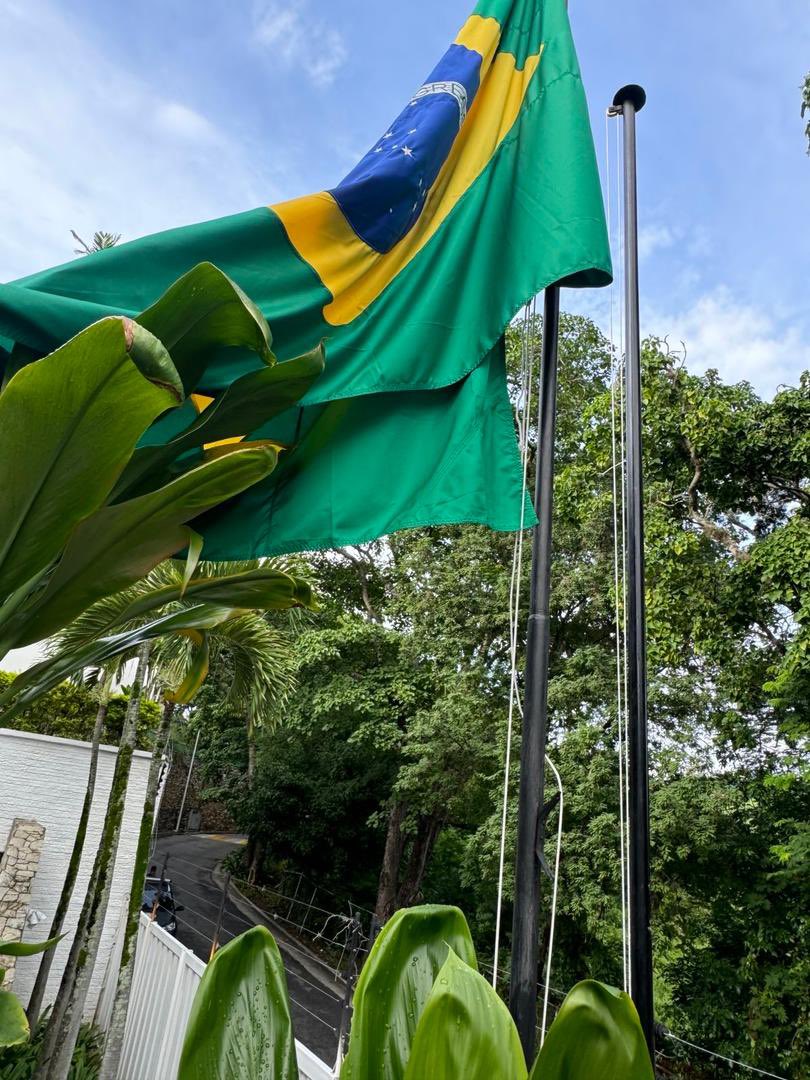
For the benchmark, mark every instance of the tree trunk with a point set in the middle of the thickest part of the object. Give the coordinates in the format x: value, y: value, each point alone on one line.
x: 255, y: 850
x: 251, y: 749
x: 256, y: 860
x: 114, y: 1043
x: 37, y: 994
x: 392, y: 857
x: 56, y: 1052
x: 423, y: 844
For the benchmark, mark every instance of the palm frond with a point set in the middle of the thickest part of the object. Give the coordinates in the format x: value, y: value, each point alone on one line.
x: 260, y: 652
x: 261, y: 659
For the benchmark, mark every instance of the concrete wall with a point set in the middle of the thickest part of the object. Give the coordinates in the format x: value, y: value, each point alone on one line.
x: 44, y: 779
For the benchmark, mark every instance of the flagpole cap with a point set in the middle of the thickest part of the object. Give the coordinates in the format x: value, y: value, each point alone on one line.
x: 633, y: 93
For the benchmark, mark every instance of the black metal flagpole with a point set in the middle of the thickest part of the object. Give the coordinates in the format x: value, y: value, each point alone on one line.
x: 525, y: 945
x: 628, y: 101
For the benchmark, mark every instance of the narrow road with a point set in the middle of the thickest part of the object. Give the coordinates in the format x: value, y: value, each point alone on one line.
x: 315, y: 998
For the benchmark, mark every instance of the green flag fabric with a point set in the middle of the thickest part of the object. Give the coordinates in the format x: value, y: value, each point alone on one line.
x: 482, y: 192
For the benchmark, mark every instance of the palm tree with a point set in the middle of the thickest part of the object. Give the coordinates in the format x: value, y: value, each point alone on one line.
x: 102, y: 691
x: 261, y: 662
x: 101, y: 241
x: 56, y: 1052
x: 174, y: 667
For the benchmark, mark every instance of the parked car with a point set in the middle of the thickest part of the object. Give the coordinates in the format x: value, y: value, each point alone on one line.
x: 159, y: 901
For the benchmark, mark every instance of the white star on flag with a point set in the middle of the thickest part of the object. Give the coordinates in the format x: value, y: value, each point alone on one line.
x: 406, y: 150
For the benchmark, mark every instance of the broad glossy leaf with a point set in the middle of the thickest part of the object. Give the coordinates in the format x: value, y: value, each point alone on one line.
x: 195, y: 546
x: 254, y: 399
x: 28, y: 948
x: 120, y: 544
x: 596, y: 1033
x: 240, y: 1026
x: 465, y: 1031
x: 195, y: 676
x: 202, y: 312
x: 42, y: 677
x: 395, y: 984
x: 247, y: 404
x: 68, y: 425
x: 13, y: 1022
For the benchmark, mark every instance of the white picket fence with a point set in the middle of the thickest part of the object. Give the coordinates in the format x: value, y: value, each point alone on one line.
x: 163, y: 986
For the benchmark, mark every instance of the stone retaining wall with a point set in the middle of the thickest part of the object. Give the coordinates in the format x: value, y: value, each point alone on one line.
x: 18, y: 867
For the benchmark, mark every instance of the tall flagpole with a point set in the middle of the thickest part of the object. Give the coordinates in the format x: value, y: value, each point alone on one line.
x: 530, y: 835
x: 628, y: 101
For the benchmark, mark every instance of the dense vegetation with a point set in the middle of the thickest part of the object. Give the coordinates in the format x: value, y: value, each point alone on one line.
x: 69, y: 712
x: 380, y: 776
x: 390, y: 751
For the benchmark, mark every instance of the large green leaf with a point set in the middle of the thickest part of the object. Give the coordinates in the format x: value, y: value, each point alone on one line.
x: 196, y: 673
x: 240, y: 1026
x: 596, y: 1033
x: 28, y: 948
x: 42, y: 677
x: 199, y: 314
x: 465, y: 1031
x: 247, y: 404
x: 13, y: 1023
x: 119, y: 544
x: 263, y: 589
x: 68, y: 425
x: 394, y: 986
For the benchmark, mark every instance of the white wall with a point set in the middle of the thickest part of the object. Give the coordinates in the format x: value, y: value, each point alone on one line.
x: 45, y: 778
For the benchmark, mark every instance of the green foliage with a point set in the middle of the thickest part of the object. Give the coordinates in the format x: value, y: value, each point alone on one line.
x: 27, y: 948
x: 13, y: 1021
x: 19, y: 1062
x: 396, y: 731
x: 69, y: 712
x: 420, y: 1010
x: 100, y: 242
x: 88, y: 515
x: 595, y: 1033
x: 465, y: 1031
x: 395, y: 985
x: 240, y: 1026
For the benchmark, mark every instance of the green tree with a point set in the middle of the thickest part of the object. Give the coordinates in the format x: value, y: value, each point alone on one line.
x: 727, y: 556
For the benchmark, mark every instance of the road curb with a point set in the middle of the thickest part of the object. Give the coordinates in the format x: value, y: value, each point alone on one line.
x: 312, y: 963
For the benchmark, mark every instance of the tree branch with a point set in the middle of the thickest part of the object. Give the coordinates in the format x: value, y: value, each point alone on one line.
x: 710, y: 528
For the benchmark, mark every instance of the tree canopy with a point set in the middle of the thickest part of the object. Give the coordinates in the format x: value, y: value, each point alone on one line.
x: 383, y: 780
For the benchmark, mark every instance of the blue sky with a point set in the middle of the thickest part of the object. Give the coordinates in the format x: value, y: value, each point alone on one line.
x: 137, y: 117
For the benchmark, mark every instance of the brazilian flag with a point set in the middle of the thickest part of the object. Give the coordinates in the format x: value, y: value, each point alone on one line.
x: 481, y: 192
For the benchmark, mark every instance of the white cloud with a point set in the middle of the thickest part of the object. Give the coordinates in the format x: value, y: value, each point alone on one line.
x: 90, y: 144
x: 652, y: 238
x: 740, y: 340
x: 290, y: 33
x: 177, y: 119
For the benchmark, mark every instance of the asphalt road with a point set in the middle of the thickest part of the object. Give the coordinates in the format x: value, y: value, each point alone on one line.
x: 314, y: 997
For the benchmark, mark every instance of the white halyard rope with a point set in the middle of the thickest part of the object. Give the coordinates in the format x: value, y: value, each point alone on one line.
x: 620, y: 595
x: 522, y: 409
x: 523, y: 404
